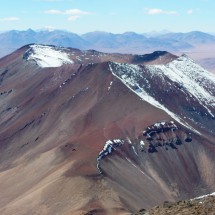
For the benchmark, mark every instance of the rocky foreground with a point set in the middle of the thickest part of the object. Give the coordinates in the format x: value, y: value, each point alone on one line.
x: 201, y: 206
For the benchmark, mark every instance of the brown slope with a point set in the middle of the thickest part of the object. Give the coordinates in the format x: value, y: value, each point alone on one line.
x: 169, y: 173
x: 51, y: 136
x: 55, y: 122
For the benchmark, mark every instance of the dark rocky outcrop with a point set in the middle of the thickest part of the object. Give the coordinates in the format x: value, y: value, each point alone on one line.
x: 204, y: 205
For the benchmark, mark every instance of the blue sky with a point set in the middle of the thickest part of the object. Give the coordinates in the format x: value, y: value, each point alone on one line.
x: 115, y: 16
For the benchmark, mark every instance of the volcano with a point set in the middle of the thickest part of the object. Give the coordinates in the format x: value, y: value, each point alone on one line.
x: 85, y: 132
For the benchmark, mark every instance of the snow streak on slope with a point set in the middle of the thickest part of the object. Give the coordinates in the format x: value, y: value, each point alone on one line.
x: 109, y: 147
x: 201, y: 197
x: 131, y: 75
x: 47, y: 56
x: 195, y: 81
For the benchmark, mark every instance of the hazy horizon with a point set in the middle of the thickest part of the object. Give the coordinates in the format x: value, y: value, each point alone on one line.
x: 115, y: 16
x: 148, y: 32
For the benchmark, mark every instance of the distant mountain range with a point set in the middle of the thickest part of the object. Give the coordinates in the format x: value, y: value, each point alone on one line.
x: 128, y: 42
x: 198, y: 45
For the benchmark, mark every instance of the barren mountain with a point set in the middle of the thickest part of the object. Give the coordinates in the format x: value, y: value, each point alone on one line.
x: 194, y: 37
x: 14, y: 39
x: 85, y: 132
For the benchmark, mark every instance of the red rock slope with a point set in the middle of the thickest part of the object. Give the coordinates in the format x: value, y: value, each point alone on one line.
x: 88, y: 132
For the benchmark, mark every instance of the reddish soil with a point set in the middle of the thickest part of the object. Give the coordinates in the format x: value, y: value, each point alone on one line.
x: 51, y: 134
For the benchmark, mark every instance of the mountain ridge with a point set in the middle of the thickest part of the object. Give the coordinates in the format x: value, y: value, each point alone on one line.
x: 98, y: 133
x: 198, y: 45
x: 91, y: 39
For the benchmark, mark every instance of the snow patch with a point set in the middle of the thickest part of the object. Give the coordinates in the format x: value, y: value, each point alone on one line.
x: 193, y: 79
x: 201, y: 197
x: 48, y: 56
x: 110, y: 85
x: 142, y: 144
x: 109, y: 147
x: 134, y: 150
x: 129, y: 74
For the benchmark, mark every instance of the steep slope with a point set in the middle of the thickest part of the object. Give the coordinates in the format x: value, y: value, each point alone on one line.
x: 88, y: 132
x: 182, y: 149
x: 193, y: 86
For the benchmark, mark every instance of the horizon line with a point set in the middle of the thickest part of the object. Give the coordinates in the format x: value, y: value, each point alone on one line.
x: 100, y: 31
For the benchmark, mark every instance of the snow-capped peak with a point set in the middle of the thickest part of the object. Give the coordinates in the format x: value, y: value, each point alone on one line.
x: 182, y: 75
x: 130, y: 75
x: 194, y: 79
x: 47, y: 56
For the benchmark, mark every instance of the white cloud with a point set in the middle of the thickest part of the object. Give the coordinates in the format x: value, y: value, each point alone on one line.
x: 49, y: 0
x: 53, y: 12
x: 190, y: 11
x: 49, y: 28
x: 155, y: 11
x: 53, y: 0
x: 12, y: 18
x: 73, y: 18
x: 73, y: 14
x: 77, y: 12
